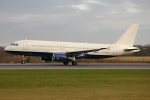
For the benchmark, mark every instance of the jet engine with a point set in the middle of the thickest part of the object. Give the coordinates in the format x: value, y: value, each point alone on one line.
x: 56, y: 57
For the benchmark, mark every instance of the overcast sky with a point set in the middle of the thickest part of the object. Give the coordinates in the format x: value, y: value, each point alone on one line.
x: 96, y: 21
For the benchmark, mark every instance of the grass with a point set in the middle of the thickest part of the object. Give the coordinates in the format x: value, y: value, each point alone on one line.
x: 129, y: 59
x: 66, y: 84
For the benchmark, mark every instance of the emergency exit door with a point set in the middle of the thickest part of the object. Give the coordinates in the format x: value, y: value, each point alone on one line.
x: 25, y: 45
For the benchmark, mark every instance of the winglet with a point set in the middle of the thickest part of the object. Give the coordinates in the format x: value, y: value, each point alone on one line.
x: 128, y: 37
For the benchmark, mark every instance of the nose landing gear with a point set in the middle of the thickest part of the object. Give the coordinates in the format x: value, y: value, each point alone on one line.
x: 23, y: 59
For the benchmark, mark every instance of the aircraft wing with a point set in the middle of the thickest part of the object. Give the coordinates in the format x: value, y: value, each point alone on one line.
x: 77, y: 53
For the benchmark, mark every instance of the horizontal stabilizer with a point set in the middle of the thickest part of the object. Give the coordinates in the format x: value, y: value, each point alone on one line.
x: 132, y: 49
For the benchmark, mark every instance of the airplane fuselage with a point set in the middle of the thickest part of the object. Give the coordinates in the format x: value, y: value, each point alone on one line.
x: 39, y: 48
x: 69, y: 51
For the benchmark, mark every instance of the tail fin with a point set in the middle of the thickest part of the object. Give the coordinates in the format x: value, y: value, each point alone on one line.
x: 128, y: 37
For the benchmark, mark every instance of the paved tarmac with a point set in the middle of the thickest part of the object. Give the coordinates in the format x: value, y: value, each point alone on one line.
x: 80, y: 66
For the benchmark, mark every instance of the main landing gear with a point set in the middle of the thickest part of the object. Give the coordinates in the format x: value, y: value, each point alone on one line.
x: 23, y: 59
x: 74, y: 62
x: 65, y: 62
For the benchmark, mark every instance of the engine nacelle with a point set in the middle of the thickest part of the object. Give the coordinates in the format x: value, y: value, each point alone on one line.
x: 56, y: 57
x: 61, y: 57
x: 48, y: 58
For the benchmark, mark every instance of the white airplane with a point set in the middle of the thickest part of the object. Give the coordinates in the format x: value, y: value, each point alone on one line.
x: 70, y: 51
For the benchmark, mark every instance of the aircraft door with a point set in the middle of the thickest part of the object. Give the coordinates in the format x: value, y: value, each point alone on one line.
x: 62, y: 47
x: 114, y: 50
x: 25, y: 45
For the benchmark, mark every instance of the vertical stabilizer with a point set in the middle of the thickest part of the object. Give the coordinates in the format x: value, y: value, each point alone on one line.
x: 129, y: 36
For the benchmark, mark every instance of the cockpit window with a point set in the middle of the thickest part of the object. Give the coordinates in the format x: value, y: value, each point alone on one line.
x: 14, y: 44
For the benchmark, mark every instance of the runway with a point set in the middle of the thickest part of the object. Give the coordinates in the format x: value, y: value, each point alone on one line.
x: 80, y: 66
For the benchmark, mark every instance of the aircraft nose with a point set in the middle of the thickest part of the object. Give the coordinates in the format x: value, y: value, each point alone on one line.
x: 6, y: 48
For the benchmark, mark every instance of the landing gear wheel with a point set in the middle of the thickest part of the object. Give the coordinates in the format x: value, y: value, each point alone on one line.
x: 65, y: 62
x: 74, y: 63
x: 23, y: 59
x: 22, y: 62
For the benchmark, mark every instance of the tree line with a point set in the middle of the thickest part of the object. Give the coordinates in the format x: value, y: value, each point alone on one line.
x: 9, y: 58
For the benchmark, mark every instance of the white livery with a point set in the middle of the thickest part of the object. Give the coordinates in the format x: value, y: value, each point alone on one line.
x: 70, y: 51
